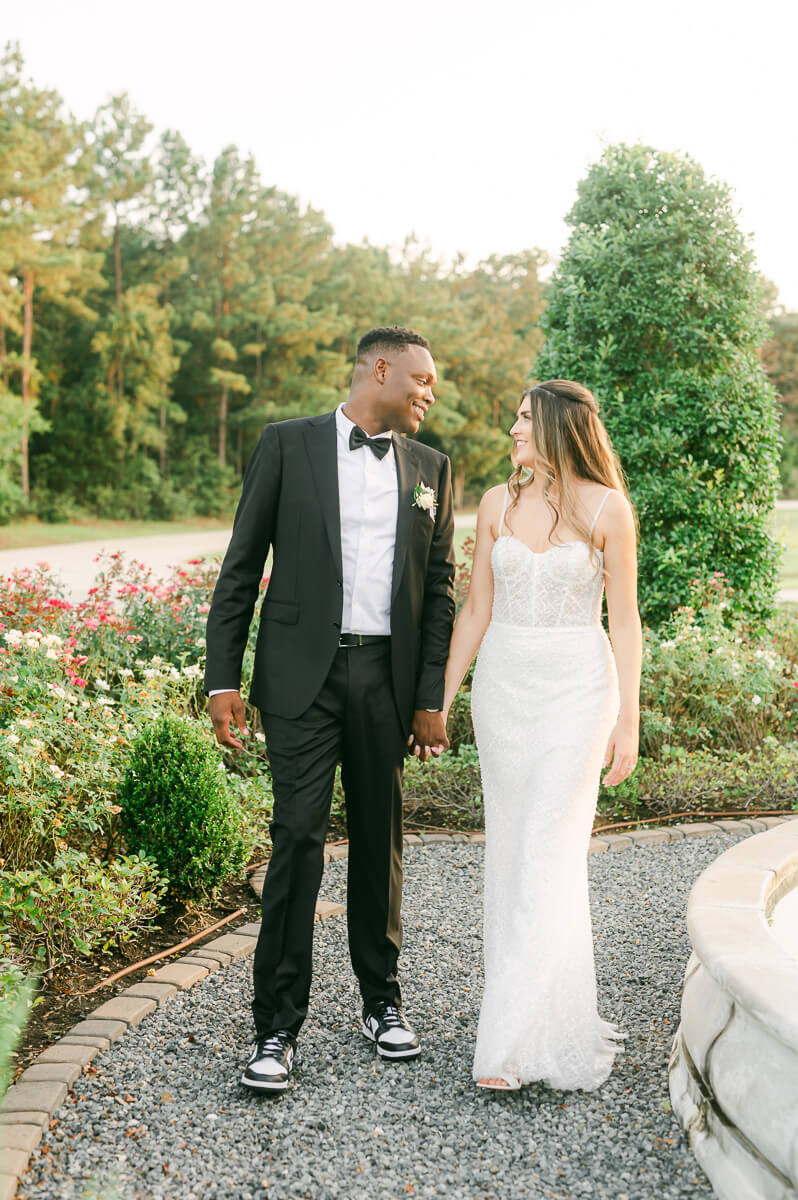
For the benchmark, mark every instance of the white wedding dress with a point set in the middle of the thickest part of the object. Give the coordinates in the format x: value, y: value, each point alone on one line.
x: 544, y: 700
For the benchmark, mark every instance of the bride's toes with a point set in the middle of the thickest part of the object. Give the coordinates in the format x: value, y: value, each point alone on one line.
x: 493, y: 1083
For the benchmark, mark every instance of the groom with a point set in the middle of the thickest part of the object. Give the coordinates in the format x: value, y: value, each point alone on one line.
x: 353, y: 639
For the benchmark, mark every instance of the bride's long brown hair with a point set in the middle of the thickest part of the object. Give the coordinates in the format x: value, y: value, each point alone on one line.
x: 570, y: 443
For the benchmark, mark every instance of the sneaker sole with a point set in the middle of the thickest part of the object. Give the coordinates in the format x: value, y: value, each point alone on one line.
x: 264, y: 1087
x: 412, y: 1053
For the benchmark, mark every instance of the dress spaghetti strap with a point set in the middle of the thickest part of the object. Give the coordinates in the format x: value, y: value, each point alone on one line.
x: 608, y: 493
x: 504, y: 509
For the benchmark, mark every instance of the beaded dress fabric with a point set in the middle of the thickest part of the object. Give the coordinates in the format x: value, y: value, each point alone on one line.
x: 544, y: 700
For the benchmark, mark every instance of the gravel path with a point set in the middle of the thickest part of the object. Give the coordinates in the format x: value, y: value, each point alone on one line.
x: 161, y: 1114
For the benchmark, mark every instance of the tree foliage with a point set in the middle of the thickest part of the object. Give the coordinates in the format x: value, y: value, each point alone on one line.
x: 656, y: 307
x: 179, y: 306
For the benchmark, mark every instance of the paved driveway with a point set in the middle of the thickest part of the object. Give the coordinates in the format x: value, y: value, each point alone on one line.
x: 74, y: 561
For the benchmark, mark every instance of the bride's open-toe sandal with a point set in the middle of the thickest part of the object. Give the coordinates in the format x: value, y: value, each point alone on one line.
x: 499, y: 1085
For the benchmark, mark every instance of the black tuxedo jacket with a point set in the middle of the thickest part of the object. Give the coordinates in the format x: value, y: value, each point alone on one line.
x: 289, y: 501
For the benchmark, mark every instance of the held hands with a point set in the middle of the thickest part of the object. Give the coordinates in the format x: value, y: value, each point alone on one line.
x: 429, y: 734
x: 226, y: 709
x: 623, y: 743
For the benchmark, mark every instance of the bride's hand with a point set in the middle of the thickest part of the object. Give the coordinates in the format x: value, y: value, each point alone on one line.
x: 623, y: 744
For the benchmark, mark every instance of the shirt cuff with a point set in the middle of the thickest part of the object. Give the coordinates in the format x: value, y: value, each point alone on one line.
x: 221, y: 691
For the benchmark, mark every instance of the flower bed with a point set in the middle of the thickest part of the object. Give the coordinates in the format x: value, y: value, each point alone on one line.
x: 78, y: 686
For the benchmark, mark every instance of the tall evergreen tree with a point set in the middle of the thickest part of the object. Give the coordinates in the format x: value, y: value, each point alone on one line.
x: 176, y: 203
x: 122, y: 171
x: 42, y: 172
x: 656, y: 306
x: 224, y: 250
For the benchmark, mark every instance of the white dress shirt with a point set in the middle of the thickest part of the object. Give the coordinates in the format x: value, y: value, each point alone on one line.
x: 368, y: 499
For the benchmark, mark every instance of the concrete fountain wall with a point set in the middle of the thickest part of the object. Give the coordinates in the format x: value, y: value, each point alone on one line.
x: 734, y: 1064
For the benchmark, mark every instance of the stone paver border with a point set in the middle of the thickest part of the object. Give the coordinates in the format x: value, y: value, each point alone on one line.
x: 32, y: 1102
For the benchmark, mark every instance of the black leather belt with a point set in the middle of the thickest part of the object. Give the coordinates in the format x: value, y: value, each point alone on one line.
x: 362, y: 639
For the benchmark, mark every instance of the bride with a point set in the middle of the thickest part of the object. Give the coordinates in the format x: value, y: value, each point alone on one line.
x: 552, y: 703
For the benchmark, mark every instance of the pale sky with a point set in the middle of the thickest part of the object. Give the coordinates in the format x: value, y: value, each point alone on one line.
x: 468, y: 124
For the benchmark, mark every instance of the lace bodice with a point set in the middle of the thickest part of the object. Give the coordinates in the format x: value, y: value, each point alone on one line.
x: 562, y: 586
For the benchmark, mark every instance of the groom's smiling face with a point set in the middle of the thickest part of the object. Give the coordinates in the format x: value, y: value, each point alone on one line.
x: 406, y: 380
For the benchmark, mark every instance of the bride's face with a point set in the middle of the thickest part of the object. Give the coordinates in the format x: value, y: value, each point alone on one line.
x: 523, y: 453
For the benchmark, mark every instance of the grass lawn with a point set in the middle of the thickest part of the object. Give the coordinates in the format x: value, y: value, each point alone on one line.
x: 34, y: 533
x: 785, y: 528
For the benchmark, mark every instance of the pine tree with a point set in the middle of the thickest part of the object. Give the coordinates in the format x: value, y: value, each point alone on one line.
x: 42, y: 169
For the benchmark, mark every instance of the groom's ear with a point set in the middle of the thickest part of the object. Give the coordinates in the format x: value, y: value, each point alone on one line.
x: 380, y: 369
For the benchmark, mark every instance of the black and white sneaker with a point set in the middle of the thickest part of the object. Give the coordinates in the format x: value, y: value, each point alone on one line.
x: 271, y: 1062
x: 388, y: 1026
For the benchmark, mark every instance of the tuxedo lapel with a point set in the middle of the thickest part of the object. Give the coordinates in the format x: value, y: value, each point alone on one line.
x: 406, y: 478
x: 320, y: 442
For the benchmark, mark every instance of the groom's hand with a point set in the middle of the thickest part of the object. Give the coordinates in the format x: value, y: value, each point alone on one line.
x: 429, y: 734
x: 227, y: 708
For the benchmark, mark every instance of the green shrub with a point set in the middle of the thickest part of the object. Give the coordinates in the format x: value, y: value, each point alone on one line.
x: 256, y: 798
x: 709, y: 682
x: 76, y: 905
x: 459, y: 726
x: 444, y: 791
x: 447, y: 793
x: 783, y: 629
x: 16, y: 1000
x: 656, y: 306
x: 685, y: 781
x: 178, y: 808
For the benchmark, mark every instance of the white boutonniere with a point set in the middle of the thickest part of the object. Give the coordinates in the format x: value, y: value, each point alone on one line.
x: 424, y: 498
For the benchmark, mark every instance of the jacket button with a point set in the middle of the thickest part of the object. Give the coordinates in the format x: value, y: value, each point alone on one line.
x: 340, y: 582
x: 336, y: 624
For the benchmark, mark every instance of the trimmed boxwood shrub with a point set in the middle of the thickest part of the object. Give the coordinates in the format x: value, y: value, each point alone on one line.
x: 656, y: 307
x: 179, y: 809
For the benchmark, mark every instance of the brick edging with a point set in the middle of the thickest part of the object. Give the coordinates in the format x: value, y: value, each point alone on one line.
x: 33, y: 1100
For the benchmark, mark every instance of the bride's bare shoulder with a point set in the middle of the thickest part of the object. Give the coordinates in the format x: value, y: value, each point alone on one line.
x: 490, y: 507
x: 592, y: 495
x: 493, y: 497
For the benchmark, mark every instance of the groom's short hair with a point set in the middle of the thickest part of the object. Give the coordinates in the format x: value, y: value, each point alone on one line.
x: 389, y: 337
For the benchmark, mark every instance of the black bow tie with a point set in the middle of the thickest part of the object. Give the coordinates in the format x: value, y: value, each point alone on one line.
x: 380, y: 445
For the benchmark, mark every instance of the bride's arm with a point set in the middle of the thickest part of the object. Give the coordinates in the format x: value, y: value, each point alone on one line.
x: 474, y: 616
x: 620, y: 559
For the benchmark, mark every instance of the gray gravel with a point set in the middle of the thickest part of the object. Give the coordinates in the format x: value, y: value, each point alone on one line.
x: 165, y: 1116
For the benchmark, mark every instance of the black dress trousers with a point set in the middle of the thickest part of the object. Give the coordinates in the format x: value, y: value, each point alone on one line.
x: 353, y: 720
